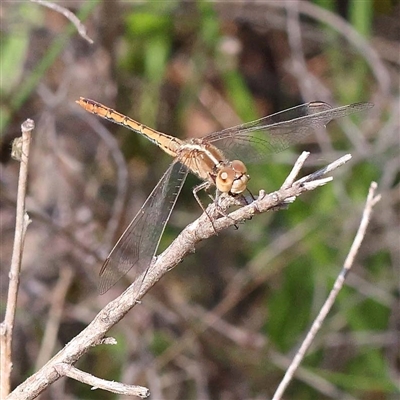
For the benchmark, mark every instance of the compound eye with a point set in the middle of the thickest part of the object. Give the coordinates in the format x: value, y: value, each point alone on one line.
x: 224, y: 180
x: 238, y: 166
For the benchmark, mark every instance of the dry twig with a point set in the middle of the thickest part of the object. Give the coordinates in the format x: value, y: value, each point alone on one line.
x: 21, y: 225
x: 114, y: 387
x: 67, y: 14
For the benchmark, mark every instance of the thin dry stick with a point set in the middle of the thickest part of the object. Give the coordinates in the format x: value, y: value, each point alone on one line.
x: 295, y: 170
x: 55, y: 314
x: 371, y: 201
x: 67, y: 14
x: 183, y: 245
x: 21, y: 224
x: 114, y: 387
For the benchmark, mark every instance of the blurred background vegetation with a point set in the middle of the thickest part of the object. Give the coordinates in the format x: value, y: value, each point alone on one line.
x: 189, y: 68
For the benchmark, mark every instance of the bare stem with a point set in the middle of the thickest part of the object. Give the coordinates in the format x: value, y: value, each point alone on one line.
x: 21, y: 224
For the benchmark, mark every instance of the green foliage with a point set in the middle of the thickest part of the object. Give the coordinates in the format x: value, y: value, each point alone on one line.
x: 149, y: 46
x: 289, y: 307
x: 327, y: 4
x: 361, y: 14
x: 239, y: 95
x: 13, y: 49
x: 366, y: 315
x: 209, y: 29
x: 349, y: 73
x: 365, y: 171
x: 363, y: 379
x: 147, y: 24
x: 379, y: 264
x: 161, y: 341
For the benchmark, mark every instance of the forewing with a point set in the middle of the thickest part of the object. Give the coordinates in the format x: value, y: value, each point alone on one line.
x: 138, y: 244
x: 253, y: 141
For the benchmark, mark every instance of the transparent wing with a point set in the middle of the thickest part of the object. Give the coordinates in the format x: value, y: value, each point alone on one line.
x: 252, y: 141
x: 138, y: 244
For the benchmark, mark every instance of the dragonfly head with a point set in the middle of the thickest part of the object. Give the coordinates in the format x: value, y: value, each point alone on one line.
x: 232, y: 178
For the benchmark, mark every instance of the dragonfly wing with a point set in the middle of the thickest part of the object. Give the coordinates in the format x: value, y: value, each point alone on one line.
x: 138, y: 244
x: 253, y: 141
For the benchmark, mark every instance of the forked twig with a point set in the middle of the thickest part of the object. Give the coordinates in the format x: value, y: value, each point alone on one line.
x: 371, y: 201
x: 183, y: 245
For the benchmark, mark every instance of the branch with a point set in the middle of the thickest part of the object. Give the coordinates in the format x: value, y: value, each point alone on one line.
x: 114, y: 387
x: 371, y: 201
x: 67, y: 14
x: 183, y: 245
x: 20, y: 152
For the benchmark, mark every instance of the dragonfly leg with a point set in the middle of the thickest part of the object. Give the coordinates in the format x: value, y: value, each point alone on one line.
x: 222, y: 210
x: 203, y: 186
x: 251, y: 195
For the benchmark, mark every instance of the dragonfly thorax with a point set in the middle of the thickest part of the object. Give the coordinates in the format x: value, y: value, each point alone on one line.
x: 210, y: 164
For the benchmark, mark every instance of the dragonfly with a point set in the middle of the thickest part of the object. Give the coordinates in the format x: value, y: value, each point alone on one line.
x: 218, y: 159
